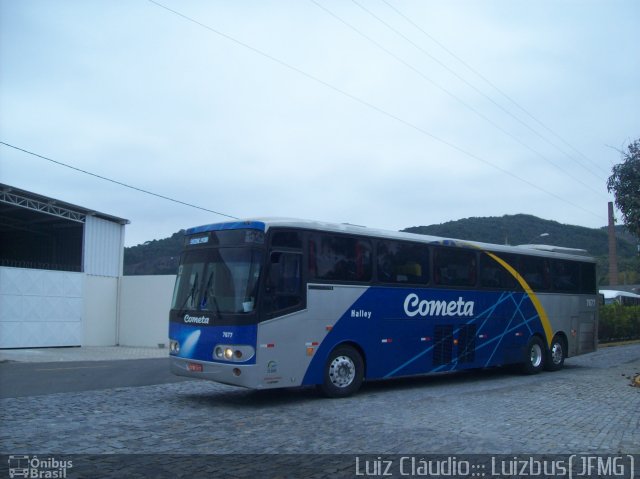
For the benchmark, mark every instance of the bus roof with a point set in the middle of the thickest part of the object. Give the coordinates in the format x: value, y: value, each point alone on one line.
x: 264, y: 224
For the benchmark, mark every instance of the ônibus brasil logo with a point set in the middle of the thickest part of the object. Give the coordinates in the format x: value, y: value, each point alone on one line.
x: 34, y: 467
x: 414, y: 306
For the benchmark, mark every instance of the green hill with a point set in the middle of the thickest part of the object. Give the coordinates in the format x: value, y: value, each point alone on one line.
x: 161, y: 256
x: 154, y: 257
x: 524, y: 229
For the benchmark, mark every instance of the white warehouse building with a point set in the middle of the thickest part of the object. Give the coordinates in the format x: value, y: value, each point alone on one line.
x: 60, y: 271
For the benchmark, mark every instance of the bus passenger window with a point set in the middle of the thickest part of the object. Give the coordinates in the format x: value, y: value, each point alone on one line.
x: 402, y: 263
x: 588, y: 278
x: 535, y: 272
x: 454, y: 267
x: 566, y: 276
x: 339, y: 258
x: 495, y: 276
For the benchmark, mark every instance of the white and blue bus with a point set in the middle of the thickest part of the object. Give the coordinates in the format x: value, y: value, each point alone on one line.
x: 624, y: 298
x: 276, y: 303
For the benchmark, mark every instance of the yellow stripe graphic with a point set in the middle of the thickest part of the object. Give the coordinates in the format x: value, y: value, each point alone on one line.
x: 548, y: 331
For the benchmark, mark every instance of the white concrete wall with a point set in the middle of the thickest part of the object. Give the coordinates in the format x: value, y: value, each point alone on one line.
x: 40, y: 308
x: 102, y: 258
x: 144, y: 310
x: 100, y: 311
x: 103, y: 248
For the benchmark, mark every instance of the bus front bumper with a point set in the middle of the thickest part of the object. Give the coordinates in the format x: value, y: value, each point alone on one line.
x: 233, y: 374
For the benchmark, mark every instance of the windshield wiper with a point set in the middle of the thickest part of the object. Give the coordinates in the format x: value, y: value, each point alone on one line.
x: 191, y: 295
x: 208, y: 293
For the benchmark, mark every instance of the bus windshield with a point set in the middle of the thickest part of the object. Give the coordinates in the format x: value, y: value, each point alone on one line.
x: 221, y: 280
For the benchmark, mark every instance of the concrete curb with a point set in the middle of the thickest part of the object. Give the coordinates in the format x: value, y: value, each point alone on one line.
x: 88, y: 353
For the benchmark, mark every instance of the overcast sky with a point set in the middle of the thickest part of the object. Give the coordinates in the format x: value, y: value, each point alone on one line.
x: 382, y: 113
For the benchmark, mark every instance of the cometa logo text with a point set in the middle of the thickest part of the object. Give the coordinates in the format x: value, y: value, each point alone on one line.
x: 414, y: 306
x: 196, y: 319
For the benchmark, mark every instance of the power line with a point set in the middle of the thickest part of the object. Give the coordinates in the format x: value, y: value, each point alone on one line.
x: 470, y: 85
x: 116, y: 182
x: 453, y: 95
x: 496, y: 88
x: 370, y: 106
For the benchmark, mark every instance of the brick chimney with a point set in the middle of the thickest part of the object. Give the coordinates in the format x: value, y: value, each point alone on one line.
x: 613, y: 257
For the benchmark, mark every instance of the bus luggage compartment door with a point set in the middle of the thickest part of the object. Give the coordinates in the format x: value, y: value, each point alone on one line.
x: 574, y: 335
x: 587, y: 333
x: 583, y: 334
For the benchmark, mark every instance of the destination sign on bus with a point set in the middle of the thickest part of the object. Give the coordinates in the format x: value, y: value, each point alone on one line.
x: 199, y: 240
x: 227, y: 238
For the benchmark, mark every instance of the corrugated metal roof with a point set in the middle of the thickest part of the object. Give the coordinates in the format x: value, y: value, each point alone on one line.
x: 44, y: 204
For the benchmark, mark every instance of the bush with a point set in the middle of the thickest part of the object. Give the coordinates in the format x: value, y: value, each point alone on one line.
x: 618, y: 322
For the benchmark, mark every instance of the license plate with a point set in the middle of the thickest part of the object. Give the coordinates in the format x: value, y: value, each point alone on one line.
x: 196, y: 368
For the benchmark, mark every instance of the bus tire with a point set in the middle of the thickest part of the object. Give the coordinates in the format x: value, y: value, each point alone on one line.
x: 534, y: 355
x: 556, y: 355
x: 343, y: 372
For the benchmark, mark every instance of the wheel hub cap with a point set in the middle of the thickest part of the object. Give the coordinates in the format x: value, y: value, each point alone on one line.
x: 556, y: 354
x: 536, y: 356
x: 342, y: 371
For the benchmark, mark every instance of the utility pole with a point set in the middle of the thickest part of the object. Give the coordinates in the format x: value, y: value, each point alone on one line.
x: 613, y: 257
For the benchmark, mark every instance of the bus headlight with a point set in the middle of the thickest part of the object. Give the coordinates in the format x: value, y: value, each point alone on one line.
x: 174, y: 347
x: 233, y: 353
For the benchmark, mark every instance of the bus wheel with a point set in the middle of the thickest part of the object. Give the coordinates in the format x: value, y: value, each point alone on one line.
x: 343, y: 372
x: 556, y: 355
x: 533, y: 356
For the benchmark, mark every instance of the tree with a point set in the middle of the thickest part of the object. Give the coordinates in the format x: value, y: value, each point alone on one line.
x: 625, y: 184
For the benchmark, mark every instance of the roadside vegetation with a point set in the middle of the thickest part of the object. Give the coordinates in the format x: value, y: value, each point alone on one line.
x: 618, y: 323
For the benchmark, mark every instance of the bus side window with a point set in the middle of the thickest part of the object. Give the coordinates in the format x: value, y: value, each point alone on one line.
x: 313, y: 262
x: 535, y: 272
x: 454, y: 267
x: 284, y: 284
x: 402, y: 263
x: 566, y: 276
x: 340, y: 258
x: 287, y: 239
x: 588, y: 278
x: 495, y: 276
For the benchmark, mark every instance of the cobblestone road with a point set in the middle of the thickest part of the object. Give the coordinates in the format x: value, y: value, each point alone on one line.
x: 588, y: 407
